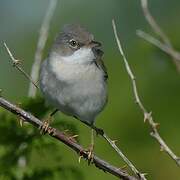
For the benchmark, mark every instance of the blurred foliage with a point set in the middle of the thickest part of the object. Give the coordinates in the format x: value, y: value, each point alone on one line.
x: 20, y: 146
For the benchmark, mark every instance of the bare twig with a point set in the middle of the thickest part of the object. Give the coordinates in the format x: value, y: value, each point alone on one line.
x: 159, y: 44
x: 16, y: 64
x: 155, y: 27
x: 120, y: 153
x: 141, y: 176
x: 43, y: 35
x: 99, y: 163
x: 134, y: 87
x: 165, y: 45
x: 147, y: 115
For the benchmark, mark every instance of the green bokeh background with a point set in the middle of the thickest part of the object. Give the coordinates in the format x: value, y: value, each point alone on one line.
x: 157, y: 78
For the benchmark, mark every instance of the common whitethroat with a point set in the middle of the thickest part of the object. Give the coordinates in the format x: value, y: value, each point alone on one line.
x: 73, y: 78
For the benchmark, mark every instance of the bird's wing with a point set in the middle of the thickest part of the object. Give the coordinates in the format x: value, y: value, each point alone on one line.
x: 100, y: 64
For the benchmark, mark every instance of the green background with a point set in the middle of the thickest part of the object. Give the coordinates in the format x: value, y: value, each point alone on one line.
x: 157, y: 79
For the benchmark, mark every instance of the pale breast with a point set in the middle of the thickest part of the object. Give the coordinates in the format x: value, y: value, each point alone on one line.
x: 75, y: 89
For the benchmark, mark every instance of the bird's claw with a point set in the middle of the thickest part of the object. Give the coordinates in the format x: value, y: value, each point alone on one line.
x: 90, y: 153
x: 44, y: 127
x: 21, y: 121
x: 51, y: 131
x: 79, y: 159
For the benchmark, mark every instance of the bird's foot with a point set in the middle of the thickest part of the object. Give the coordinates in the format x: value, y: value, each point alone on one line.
x: 21, y: 121
x: 44, y: 127
x: 51, y: 131
x: 90, y: 152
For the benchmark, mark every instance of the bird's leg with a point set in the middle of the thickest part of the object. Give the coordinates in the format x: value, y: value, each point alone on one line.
x: 91, y: 148
x: 45, y: 126
x: 99, y: 131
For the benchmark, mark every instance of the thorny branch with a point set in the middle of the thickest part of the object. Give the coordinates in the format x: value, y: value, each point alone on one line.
x: 164, y: 44
x: 71, y: 143
x: 43, y: 35
x: 134, y: 85
x: 147, y: 115
x: 17, y: 64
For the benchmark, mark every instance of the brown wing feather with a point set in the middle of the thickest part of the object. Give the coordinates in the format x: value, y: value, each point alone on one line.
x: 100, y: 64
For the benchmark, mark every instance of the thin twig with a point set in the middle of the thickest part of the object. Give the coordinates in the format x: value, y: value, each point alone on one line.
x: 155, y: 27
x: 159, y: 44
x: 147, y: 115
x: 134, y: 87
x: 166, y: 45
x: 17, y: 63
x: 43, y: 35
x: 141, y: 176
x: 101, y: 132
x: 99, y: 163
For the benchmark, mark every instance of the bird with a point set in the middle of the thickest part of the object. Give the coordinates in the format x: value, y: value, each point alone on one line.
x: 73, y: 77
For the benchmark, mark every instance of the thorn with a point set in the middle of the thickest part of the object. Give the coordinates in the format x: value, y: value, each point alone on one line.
x: 147, y: 116
x: 75, y: 136
x: 66, y: 130
x: 144, y: 174
x: 114, y: 141
x: 72, y: 138
x: 178, y: 161
x: 161, y: 148
x: 152, y: 133
x: 136, y: 101
x: 156, y: 125
x: 16, y: 62
x: 79, y: 159
x: 123, y: 167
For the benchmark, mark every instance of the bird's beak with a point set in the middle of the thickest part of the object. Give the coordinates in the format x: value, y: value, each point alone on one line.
x: 96, y: 48
x: 95, y: 44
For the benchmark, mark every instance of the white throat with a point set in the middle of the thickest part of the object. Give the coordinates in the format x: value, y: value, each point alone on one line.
x: 72, y: 67
x: 81, y: 56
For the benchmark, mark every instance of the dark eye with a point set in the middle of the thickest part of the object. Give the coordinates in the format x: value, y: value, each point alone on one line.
x: 73, y: 43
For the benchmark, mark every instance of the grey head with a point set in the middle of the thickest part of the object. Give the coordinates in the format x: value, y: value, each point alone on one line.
x: 72, y: 38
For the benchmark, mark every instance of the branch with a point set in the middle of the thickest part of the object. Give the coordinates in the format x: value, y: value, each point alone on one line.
x: 99, y: 163
x: 141, y: 176
x: 147, y: 115
x: 16, y: 63
x: 165, y: 45
x: 155, y: 27
x: 159, y: 44
x: 43, y: 35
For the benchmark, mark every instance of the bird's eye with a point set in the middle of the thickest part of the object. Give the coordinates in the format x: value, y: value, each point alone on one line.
x: 73, y: 43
